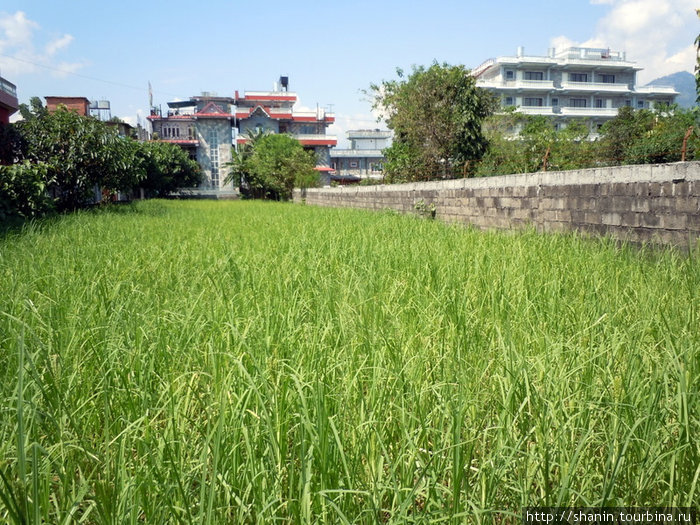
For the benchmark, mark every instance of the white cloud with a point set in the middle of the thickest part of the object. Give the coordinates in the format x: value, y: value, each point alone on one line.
x: 656, y: 34
x: 58, y: 44
x: 22, y: 41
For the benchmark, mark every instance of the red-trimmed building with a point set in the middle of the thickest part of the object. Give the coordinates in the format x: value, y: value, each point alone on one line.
x: 8, y: 100
x: 273, y: 111
x: 202, y: 126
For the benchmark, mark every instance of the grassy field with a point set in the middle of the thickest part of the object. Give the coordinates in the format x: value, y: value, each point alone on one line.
x: 245, y: 362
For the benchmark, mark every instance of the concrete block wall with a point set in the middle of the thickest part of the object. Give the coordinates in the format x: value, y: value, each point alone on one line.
x: 646, y: 203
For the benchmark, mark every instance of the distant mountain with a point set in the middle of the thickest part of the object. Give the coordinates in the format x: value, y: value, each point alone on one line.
x: 684, y: 83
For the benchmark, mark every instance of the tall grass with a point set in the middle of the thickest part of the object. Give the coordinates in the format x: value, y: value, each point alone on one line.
x: 202, y: 362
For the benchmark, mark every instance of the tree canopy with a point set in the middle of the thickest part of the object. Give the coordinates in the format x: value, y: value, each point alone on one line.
x: 436, y: 115
x: 81, y: 153
x: 271, y: 165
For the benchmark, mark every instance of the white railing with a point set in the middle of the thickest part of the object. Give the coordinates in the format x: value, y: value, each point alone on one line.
x: 478, y: 70
x: 596, y: 86
x: 516, y: 84
x: 536, y: 110
x: 369, y: 134
x: 665, y: 90
x: 256, y: 94
x: 589, y: 112
x: 357, y: 153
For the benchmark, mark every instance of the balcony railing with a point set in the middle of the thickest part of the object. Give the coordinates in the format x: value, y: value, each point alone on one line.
x: 596, y: 86
x: 589, y: 112
x: 536, y: 110
x: 517, y: 84
x: 8, y: 87
x: 663, y: 90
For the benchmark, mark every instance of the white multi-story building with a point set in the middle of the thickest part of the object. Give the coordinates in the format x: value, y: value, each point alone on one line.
x: 572, y: 83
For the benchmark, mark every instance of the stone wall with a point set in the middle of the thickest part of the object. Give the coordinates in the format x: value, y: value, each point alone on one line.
x: 646, y: 203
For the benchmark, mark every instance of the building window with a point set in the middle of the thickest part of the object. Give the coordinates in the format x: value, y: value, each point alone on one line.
x: 599, y: 103
x: 577, y: 103
x: 353, y: 164
x: 375, y: 167
x: 628, y: 103
x: 508, y: 101
x: 532, y: 101
x: 213, y: 140
x: 578, y: 77
x: 533, y: 75
x: 640, y: 104
x: 607, y: 79
x: 555, y: 102
x: 510, y: 74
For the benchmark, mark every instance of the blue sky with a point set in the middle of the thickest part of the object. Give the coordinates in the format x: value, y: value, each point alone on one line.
x: 331, y: 51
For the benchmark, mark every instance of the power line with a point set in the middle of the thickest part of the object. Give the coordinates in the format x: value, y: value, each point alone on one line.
x: 67, y: 72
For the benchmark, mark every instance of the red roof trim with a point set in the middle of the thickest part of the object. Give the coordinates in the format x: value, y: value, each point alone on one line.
x: 214, y: 115
x: 318, y: 142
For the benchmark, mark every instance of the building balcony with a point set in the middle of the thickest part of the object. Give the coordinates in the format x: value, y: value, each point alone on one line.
x: 536, y: 110
x: 591, y: 87
x: 8, y: 87
x: 656, y: 90
x: 316, y: 140
x: 535, y: 85
x: 589, y: 112
x: 8, y: 100
x: 357, y: 153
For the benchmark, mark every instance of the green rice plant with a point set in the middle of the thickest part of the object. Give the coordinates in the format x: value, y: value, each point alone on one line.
x: 261, y: 362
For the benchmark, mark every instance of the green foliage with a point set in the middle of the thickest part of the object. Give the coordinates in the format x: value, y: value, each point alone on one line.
x: 22, y: 191
x: 167, y: 167
x: 269, y: 166
x: 643, y: 136
x: 239, y: 167
x: 436, y: 114
x: 82, y: 154
x: 12, y: 144
x: 537, y: 146
x: 523, y: 143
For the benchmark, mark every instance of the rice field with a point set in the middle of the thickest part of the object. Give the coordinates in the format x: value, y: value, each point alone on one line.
x: 248, y: 362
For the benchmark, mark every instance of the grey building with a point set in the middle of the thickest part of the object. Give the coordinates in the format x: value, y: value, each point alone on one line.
x: 364, y: 159
x: 202, y: 126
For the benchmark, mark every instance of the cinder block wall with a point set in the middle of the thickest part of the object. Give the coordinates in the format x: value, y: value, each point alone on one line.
x: 647, y: 203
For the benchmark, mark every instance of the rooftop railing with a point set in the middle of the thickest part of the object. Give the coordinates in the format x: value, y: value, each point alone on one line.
x: 666, y: 90
x: 8, y: 87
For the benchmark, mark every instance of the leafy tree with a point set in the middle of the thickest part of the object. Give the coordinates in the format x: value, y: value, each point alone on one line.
x: 644, y: 136
x: 526, y: 143
x: 22, y: 191
x: 436, y: 114
x: 278, y: 163
x: 82, y: 154
x: 167, y: 167
x: 12, y: 144
x: 239, y: 167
